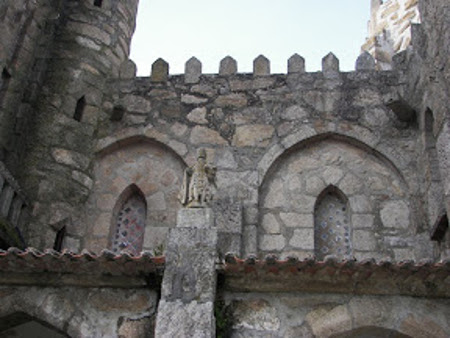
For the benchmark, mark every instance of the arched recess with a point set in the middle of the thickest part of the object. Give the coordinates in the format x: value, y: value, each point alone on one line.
x: 373, y: 185
x: 22, y: 325
x: 332, y: 224
x: 128, y: 221
x: 121, y: 167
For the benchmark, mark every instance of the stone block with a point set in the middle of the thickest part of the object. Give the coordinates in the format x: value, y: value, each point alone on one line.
x: 296, y: 64
x: 155, y: 238
x: 250, y: 239
x: 198, y: 115
x: 360, y: 204
x: 192, y: 71
x: 70, y: 158
x: 228, y: 216
x: 135, y: 328
x: 192, y: 99
x: 272, y: 242
x: 160, y: 71
x: 294, y: 113
x: 257, y: 314
x: 395, y: 214
x: 303, y: 239
x: 270, y: 224
x: 364, y: 240
x: 261, y: 66
x: 190, y: 273
x: 365, y: 62
x: 128, y: 70
x: 325, y: 323
x: 195, y: 218
x: 228, y: 66
x: 363, y: 221
x: 204, y: 135
x: 424, y: 327
x: 330, y: 65
x: 179, y: 319
x: 253, y: 135
x: 229, y: 242
x: 296, y: 220
x: 231, y: 100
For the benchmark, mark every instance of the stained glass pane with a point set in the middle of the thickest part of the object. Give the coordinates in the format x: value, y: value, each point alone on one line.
x: 130, y: 226
x: 332, y: 228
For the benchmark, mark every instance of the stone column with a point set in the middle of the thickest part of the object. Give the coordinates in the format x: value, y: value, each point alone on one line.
x: 186, y: 308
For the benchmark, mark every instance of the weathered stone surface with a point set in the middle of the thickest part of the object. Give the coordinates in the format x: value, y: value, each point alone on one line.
x: 272, y: 242
x: 253, y: 136
x: 395, y: 214
x: 364, y: 240
x: 303, y: 239
x: 296, y: 64
x: 295, y: 113
x: 204, y: 135
x: 177, y: 319
x: 160, y: 71
x: 192, y: 70
x: 127, y: 70
x: 365, y: 62
x: 324, y: 323
x: 256, y: 315
x: 70, y: 158
x: 194, y: 100
x: 231, y: 100
x: 330, y: 65
x: 195, y: 218
x: 261, y: 66
x: 295, y: 220
x: 228, y: 66
x: 198, y: 115
x: 270, y: 224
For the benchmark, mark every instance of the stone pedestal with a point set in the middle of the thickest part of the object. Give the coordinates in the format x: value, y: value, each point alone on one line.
x: 186, y: 308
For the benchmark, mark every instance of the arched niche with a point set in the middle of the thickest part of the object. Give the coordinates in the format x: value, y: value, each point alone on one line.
x: 139, y: 166
x: 128, y: 221
x: 374, y: 187
x: 332, y: 224
x: 22, y: 325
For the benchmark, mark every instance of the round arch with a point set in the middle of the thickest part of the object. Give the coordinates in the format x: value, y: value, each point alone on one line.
x: 303, y: 140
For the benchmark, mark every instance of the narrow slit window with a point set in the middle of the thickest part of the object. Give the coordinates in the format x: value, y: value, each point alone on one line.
x: 98, y: 3
x: 79, y: 109
x: 5, y: 74
x: 59, y: 239
x: 332, y: 230
x: 117, y: 113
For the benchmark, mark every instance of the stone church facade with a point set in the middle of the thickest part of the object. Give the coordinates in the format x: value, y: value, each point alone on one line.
x: 332, y: 188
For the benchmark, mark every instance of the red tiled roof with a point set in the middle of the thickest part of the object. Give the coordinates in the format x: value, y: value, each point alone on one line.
x: 424, y: 278
x: 86, y: 263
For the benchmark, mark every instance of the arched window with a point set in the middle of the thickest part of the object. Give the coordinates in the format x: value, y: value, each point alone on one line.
x: 79, y: 109
x: 332, y: 230
x: 129, y: 221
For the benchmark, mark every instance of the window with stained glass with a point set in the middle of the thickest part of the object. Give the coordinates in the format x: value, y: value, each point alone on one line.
x: 332, y: 225
x: 130, y: 225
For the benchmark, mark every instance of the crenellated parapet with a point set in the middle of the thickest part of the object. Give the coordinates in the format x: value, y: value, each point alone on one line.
x: 228, y: 66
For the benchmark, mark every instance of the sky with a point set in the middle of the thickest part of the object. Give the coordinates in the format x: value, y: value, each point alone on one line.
x: 176, y: 30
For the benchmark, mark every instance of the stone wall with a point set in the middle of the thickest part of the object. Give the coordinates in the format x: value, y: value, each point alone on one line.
x: 28, y: 29
x: 389, y: 29
x: 427, y: 70
x: 250, y: 124
x: 82, y: 312
x: 332, y: 315
x: 92, y: 41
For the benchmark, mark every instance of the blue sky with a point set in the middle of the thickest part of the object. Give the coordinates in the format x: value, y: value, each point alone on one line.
x: 211, y: 29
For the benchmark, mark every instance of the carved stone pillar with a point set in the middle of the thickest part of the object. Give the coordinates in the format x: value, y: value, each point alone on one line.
x: 186, y: 308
